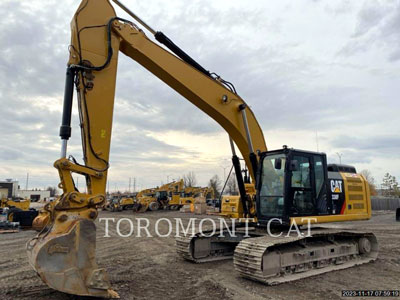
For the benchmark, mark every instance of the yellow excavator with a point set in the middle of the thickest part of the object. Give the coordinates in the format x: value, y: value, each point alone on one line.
x: 22, y: 204
x: 18, y: 210
x: 174, y: 197
x: 188, y: 195
x: 119, y: 203
x: 290, y: 185
x: 159, y: 198
x: 143, y: 199
x: 208, y: 193
x: 126, y: 203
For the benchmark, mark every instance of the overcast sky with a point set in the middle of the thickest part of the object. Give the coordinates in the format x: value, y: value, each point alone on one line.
x: 307, y: 68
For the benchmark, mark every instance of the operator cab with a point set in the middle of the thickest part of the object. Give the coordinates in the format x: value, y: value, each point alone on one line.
x: 292, y: 183
x: 162, y: 195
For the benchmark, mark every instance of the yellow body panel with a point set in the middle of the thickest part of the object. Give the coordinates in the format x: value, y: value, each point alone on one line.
x: 22, y: 204
x: 175, y: 200
x: 357, y: 205
x: 126, y: 201
x: 191, y: 193
x: 146, y: 200
x: 328, y: 218
x: 43, y: 217
x: 357, y: 194
x: 231, y: 206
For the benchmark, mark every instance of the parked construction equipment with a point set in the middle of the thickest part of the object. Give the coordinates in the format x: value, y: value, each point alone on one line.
x: 188, y: 196
x: 119, y: 203
x: 19, y: 211
x: 170, y: 196
x: 290, y: 184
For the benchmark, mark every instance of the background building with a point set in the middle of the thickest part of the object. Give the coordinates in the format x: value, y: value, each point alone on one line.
x: 8, y: 188
x: 34, y: 195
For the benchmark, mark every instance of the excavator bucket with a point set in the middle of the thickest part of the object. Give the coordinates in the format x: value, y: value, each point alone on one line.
x: 64, y: 258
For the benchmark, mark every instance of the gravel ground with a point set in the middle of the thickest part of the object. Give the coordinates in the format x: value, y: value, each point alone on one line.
x: 149, y: 268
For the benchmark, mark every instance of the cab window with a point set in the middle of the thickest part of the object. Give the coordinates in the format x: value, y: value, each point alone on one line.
x: 301, y: 190
x: 272, y: 185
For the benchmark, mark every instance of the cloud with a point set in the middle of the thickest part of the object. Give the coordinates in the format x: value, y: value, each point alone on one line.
x: 369, y: 17
x: 376, y: 27
x: 387, y: 145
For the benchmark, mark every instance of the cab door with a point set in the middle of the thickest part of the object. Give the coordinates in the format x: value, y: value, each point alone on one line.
x: 301, y: 185
x: 320, y: 174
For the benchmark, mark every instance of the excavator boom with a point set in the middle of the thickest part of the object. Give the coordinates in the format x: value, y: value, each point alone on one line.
x: 63, y: 253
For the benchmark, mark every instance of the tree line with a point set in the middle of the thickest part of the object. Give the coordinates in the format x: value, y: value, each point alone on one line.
x: 388, y: 188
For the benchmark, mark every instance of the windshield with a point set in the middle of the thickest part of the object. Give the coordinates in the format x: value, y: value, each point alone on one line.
x: 162, y: 195
x: 272, y: 185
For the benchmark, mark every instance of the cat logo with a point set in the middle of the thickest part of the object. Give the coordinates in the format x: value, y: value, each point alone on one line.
x: 336, y: 186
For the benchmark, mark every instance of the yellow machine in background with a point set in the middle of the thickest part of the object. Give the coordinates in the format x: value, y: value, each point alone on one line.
x: 188, y: 196
x: 14, y: 206
x: 290, y: 184
x: 18, y: 210
x: 231, y: 206
x: 22, y: 204
x: 143, y: 199
x: 173, y: 195
x: 208, y: 193
x: 142, y: 202
x: 159, y: 198
x: 119, y: 203
x: 126, y: 203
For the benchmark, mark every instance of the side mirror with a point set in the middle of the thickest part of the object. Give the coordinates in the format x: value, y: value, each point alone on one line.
x: 278, y: 164
x: 294, y: 165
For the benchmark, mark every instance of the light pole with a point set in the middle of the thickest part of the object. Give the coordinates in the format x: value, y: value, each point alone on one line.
x: 340, y: 157
x: 224, y: 171
x: 168, y: 177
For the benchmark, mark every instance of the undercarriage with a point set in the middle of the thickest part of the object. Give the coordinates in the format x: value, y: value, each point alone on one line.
x: 270, y: 259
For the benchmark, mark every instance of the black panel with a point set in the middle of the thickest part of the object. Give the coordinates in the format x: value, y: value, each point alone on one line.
x: 336, y: 187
